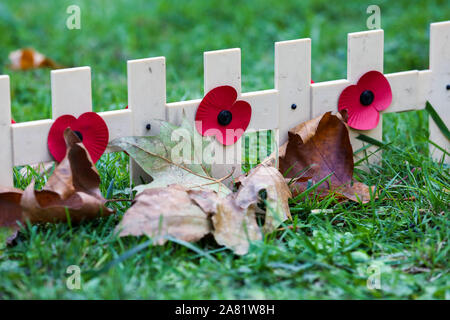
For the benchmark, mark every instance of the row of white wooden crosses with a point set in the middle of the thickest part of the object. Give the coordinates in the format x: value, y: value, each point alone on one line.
x: 366, y: 94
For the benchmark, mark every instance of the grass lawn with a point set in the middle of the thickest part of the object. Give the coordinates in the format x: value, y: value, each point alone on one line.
x: 328, y: 257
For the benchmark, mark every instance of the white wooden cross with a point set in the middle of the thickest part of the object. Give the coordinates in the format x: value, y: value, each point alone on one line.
x: 292, y: 101
x: 410, y: 89
x: 221, y: 67
x: 364, y: 53
x: 292, y: 81
x: 6, y: 162
x: 439, y: 94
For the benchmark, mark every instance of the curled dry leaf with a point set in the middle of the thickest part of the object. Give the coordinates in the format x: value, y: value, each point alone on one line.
x: 234, y: 226
x: 316, y: 149
x: 190, y: 215
x: 161, y: 212
x: 27, y: 58
x: 266, y: 181
x: 72, y: 189
x: 10, y: 211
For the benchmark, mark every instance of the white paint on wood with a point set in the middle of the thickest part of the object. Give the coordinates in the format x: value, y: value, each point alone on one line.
x: 71, y: 91
x: 223, y: 67
x: 175, y: 110
x: 146, y: 100
x: 424, y: 91
x: 365, y: 53
x: 325, y: 96
x: 440, y: 78
x: 119, y: 124
x: 292, y: 81
x: 6, y: 154
x: 147, y: 94
x: 30, y: 142
x: 405, y: 91
x: 264, y: 109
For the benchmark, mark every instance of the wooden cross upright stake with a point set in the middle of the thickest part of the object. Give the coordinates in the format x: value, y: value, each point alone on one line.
x: 365, y: 51
x: 439, y: 96
x: 223, y: 67
x: 293, y: 81
x: 6, y: 160
x: 146, y: 102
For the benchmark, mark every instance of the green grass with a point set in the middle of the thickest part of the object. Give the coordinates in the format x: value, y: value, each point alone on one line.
x: 328, y: 256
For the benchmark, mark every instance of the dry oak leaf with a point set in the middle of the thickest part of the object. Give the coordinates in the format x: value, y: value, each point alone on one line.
x: 72, y: 189
x: 265, y: 177
x: 162, y: 212
x: 316, y: 149
x: 10, y: 211
x: 27, y: 58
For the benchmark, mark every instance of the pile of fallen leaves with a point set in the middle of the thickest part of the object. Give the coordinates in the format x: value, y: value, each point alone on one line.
x: 183, y: 201
x: 72, y: 192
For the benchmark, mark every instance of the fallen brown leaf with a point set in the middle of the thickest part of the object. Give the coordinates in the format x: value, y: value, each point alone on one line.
x: 73, y: 189
x: 10, y: 211
x: 316, y: 149
x: 167, y: 211
x: 234, y: 226
x: 27, y: 58
x: 267, y: 179
x: 206, y: 199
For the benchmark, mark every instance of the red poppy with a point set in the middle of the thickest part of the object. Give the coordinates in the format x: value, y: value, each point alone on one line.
x: 365, y: 100
x: 220, y: 115
x: 12, y: 121
x: 89, y: 127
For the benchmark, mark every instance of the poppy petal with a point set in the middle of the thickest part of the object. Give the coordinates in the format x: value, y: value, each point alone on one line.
x: 221, y: 97
x: 377, y: 83
x: 92, y: 128
x: 95, y: 133
x: 349, y: 98
x: 55, y: 141
x: 216, y: 100
x: 206, y: 119
x: 364, y: 118
x: 242, y: 113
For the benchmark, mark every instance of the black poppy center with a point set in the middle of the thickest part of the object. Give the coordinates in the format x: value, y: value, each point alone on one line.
x: 79, y: 135
x: 224, y: 117
x: 366, y: 97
